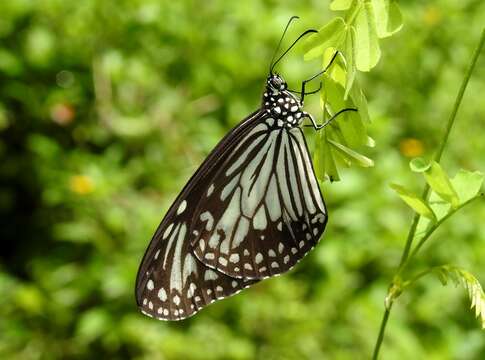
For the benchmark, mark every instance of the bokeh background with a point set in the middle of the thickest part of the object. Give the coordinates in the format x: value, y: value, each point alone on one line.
x: 106, y: 109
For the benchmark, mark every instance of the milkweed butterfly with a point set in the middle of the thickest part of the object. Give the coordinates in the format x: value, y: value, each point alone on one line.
x: 252, y: 210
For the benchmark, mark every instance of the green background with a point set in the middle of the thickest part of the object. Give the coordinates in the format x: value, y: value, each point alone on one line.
x: 106, y: 109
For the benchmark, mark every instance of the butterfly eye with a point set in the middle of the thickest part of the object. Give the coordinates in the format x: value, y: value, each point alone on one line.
x: 276, y: 83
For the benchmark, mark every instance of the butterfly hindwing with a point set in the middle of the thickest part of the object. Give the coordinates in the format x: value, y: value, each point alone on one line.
x: 172, y: 283
x: 263, y: 211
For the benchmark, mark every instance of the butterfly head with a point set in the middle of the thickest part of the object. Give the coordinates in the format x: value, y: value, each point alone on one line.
x: 275, y: 84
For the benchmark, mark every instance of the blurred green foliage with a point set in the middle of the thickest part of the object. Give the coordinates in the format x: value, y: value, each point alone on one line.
x: 107, y: 107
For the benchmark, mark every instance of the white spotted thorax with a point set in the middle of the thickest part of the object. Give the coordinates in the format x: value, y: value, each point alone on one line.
x: 283, y: 106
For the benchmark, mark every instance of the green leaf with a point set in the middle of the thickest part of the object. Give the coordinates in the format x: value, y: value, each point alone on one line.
x: 388, y: 17
x: 319, y: 157
x: 414, y: 201
x: 339, y: 5
x: 469, y: 282
x: 336, y: 71
x: 360, y: 102
x: 367, y: 51
x: 467, y: 184
x: 352, y: 155
x: 330, y: 164
x: 330, y: 35
x: 419, y: 165
x: 350, y: 123
x: 440, y: 183
x: 324, y: 162
x: 440, y: 207
x: 349, y: 58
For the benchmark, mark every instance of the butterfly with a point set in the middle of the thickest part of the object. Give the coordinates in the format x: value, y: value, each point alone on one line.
x: 252, y: 210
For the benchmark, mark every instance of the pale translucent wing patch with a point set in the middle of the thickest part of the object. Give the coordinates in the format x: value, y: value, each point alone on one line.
x: 265, y: 210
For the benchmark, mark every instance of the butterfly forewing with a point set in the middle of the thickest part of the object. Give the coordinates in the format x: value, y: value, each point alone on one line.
x: 172, y: 283
x: 263, y: 209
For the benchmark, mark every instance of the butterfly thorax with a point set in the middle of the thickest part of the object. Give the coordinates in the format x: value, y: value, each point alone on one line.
x: 281, y: 104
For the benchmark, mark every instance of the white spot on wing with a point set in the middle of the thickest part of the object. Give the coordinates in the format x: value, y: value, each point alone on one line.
x: 176, y: 300
x: 210, y: 275
x: 162, y: 294
x: 259, y: 221
x: 214, y: 240
x: 191, y: 290
x: 167, y: 231
x: 210, y: 190
x: 281, y: 247
x: 182, y: 207
x: 206, y: 216
x: 150, y: 285
x: 241, y: 232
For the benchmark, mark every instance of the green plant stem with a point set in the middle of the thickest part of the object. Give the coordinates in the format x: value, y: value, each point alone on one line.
x: 459, y: 97
x: 412, y: 230
x: 382, y: 329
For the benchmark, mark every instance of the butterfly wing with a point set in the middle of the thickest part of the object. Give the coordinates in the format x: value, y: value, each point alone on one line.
x: 265, y: 210
x: 172, y: 283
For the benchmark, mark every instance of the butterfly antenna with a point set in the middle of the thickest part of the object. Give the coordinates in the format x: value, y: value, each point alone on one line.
x: 279, y: 43
x: 311, y: 31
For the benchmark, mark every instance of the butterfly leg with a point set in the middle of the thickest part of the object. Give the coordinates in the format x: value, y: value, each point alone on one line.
x: 309, y: 92
x: 304, y: 82
x: 318, y: 127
